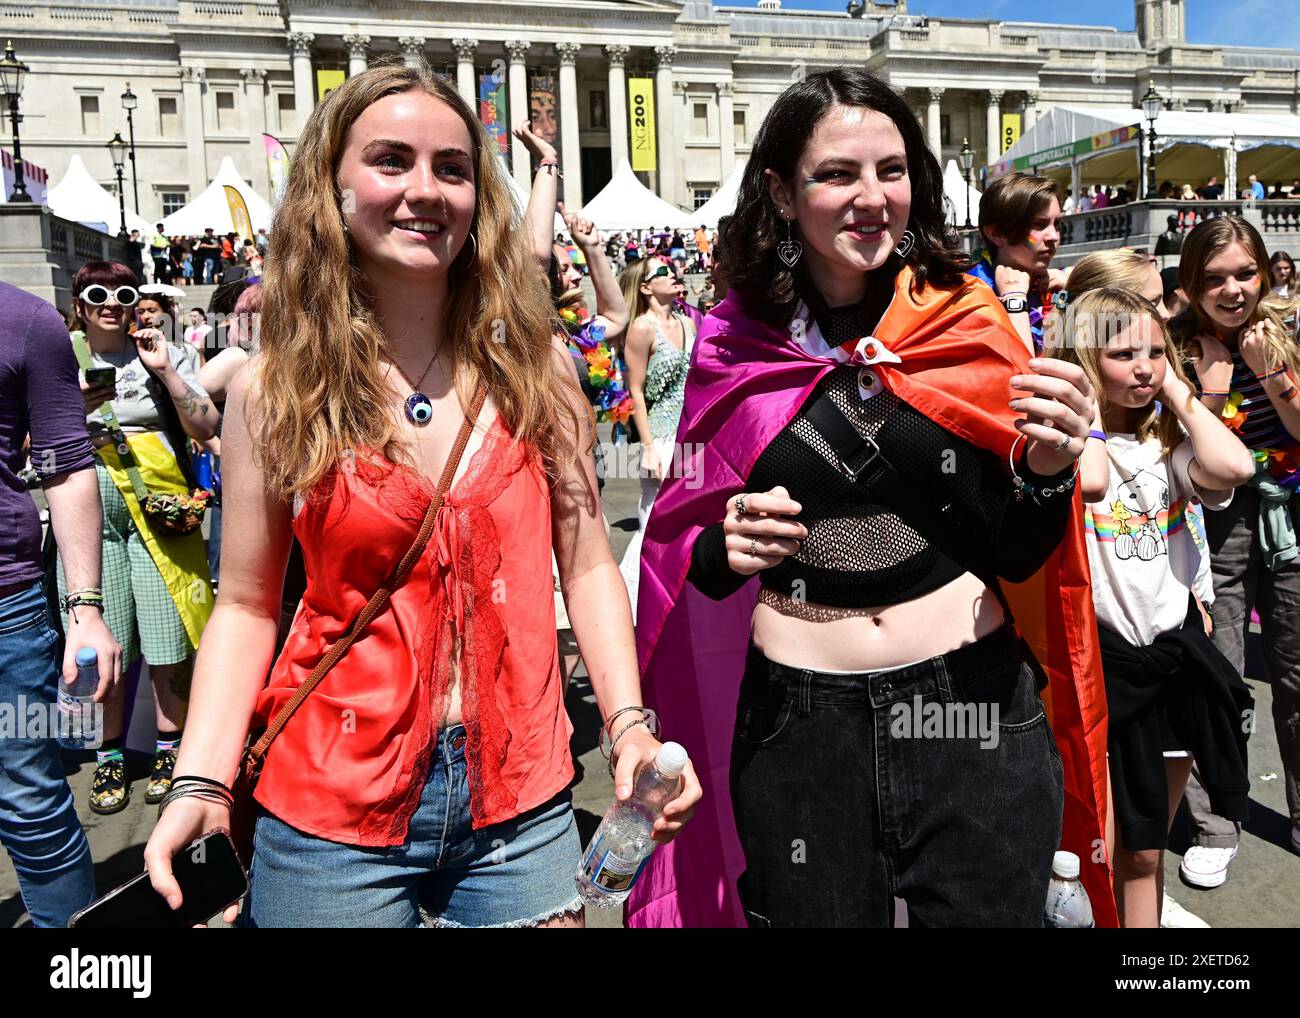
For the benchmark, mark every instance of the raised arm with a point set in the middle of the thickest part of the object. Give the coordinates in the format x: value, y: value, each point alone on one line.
x: 611, y: 308
x: 539, y: 217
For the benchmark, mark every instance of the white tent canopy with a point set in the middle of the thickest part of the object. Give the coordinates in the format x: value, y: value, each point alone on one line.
x: 1190, y: 146
x: 960, y: 200
x: 723, y: 202
x: 627, y: 204
x: 211, y: 208
x: 79, y: 198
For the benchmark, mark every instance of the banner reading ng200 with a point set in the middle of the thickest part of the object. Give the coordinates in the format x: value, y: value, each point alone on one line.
x: 641, y: 114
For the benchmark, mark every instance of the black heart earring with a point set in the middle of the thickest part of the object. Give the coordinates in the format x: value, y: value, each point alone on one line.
x: 789, y: 250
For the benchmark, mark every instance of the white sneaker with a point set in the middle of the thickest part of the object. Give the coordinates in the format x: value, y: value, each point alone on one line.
x: 1206, y: 867
x: 1174, y: 917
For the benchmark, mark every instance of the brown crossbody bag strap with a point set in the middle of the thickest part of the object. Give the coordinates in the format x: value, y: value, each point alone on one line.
x: 252, y: 762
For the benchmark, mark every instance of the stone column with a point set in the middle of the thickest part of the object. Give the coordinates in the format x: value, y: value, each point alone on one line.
x: 304, y: 94
x: 255, y: 106
x: 518, y: 87
x: 570, y: 142
x: 412, y: 47
x: 726, y: 129
x: 993, y: 129
x: 356, y: 46
x: 465, y: 82
x: 1031, y: 111
x: 932, y: 124
x: 617, y: 105
x: 195, y: 147
x: 665, y: 115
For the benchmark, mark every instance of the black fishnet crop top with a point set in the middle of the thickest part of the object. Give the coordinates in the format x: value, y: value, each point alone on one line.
x: 950, y: 511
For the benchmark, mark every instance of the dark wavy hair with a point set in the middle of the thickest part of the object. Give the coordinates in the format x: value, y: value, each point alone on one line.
x: 747, y: 242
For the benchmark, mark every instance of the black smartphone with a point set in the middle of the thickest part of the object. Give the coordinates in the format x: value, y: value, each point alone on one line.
x: 210, y: 877
x: 101, y: 376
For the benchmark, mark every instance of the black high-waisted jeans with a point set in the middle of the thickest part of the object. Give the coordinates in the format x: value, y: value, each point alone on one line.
x: 938, y: 783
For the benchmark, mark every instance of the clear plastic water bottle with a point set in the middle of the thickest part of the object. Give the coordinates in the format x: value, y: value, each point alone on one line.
x: 622, y: 844
x: 81, y: 720
x: 1067, y: 906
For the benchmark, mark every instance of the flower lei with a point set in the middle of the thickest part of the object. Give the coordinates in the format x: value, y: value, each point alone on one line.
x: 1282, y: 464
x: 587, y: 342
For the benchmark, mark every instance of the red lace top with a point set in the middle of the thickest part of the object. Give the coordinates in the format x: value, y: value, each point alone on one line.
x: 351, y: 763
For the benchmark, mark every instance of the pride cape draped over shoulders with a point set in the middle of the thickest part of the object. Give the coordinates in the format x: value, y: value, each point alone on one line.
x: 950, y: 353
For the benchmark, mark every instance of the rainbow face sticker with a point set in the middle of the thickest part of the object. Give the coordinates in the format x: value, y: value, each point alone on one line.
x: 1033, y: 240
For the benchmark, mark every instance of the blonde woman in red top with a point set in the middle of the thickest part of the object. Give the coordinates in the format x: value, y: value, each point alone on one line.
x: 428, y: 771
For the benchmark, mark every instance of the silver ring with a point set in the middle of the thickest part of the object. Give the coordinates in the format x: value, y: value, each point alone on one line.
x: 1065, y: 442
x: 753, y: 547
x: 740, y: 505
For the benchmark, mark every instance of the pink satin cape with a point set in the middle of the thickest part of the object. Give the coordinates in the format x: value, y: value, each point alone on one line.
x: 958, y: 353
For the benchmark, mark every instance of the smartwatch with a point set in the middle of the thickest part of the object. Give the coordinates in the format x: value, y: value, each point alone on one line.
x: 1015, y: 303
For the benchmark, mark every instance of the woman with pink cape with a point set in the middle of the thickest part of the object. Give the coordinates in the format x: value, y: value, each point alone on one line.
x: 874, y: 530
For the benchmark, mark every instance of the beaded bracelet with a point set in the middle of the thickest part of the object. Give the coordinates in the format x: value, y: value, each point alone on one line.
x: 1023, y: 487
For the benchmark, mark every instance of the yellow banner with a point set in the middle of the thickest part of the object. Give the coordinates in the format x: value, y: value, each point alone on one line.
x: 328, y: 81
x: 239, y: 212
x: 641, y: 115
x: 1010, y: 130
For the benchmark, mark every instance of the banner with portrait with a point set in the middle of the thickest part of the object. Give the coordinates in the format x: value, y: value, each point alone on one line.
x: 543, y: 110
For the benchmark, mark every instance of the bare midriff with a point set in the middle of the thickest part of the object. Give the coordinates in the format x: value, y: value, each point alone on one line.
x: 823, y: 638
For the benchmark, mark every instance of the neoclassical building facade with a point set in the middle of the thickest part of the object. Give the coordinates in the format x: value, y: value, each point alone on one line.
x: 213, y: 76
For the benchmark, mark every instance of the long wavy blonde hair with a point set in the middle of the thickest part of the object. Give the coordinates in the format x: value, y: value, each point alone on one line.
x: 319, y: 383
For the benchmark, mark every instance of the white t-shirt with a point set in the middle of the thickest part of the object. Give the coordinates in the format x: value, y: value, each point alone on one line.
x: 1145, y: 541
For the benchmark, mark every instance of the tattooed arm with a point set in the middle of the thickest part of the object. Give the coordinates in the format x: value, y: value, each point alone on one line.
x: 199, y: 416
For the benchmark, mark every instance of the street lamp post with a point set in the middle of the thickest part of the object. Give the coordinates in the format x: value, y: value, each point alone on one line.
x: 1152, y: 104
x: 11, y: 78
x: 966, y: 159
x: 117, y: 149
x: 129, y: 102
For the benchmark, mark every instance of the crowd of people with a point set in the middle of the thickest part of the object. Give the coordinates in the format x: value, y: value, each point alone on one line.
x: 195, y: 261
x: 1101, y: 196
x: 874, y: 475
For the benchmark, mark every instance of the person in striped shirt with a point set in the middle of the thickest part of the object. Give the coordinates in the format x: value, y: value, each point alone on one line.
x: 1248, y: 362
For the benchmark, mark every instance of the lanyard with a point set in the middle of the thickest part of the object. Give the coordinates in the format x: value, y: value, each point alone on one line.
x: 82, y: 349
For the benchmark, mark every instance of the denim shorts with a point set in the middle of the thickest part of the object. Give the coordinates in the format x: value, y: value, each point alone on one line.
x: 516, y: 873
x: 938, y: 783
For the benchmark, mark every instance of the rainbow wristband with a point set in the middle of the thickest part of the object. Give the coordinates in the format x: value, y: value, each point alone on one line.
x: 1287, y: 394
x: 1271, y: 374
x: 1215, y: 392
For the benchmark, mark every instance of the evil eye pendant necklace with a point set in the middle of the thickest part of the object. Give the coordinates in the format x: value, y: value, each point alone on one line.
x: 418, y: 406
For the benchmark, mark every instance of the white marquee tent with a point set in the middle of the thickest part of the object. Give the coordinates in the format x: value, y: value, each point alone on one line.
x: 210, y: 208
x: 79, y: 198
x: 723, y: 203
x: 1100, y: 146
x: 959, y: 198
x: 627, y: 204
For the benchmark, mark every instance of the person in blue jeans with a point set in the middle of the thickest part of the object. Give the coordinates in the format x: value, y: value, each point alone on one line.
x: 40, y: 402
